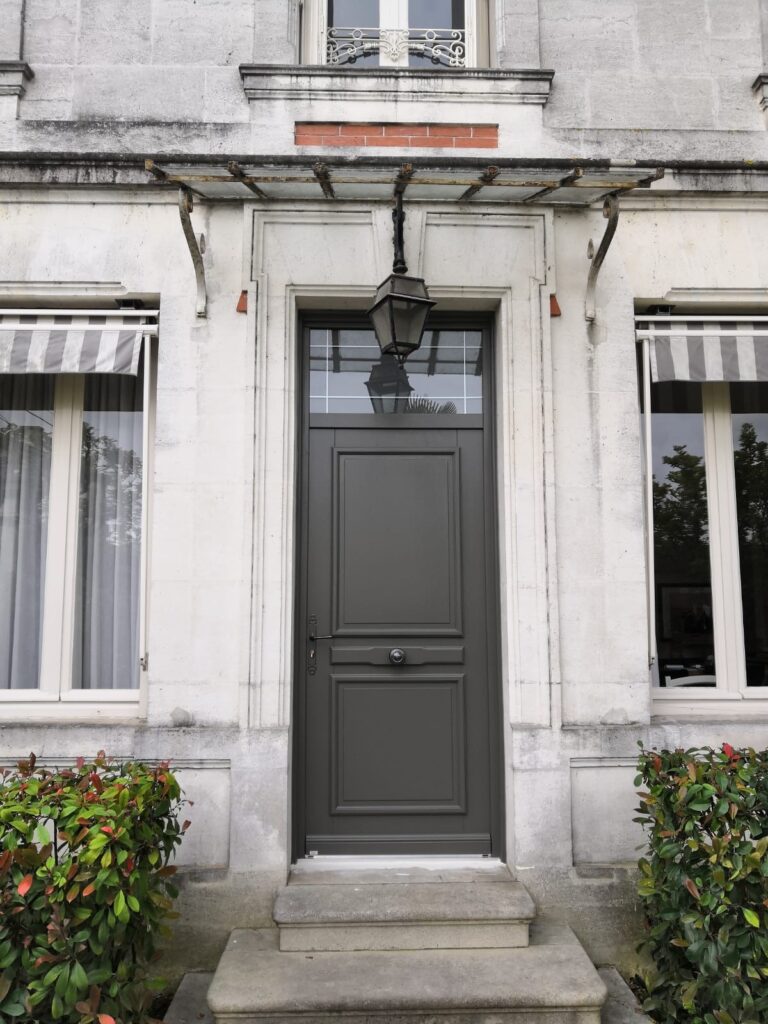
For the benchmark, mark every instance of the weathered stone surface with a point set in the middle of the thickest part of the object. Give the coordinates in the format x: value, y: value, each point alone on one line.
x: 113, y: 32
x: 49, y: 94
x: 399, y: 903
x: 11, y: 22
x: 212, y: 32
x: 620, y: 1007
x: 158, y: 94
x: 189, y: 1004
x: 254, y: 981
x: 403, y: 915
x: 51, y: 31
x: 225, y: 100
x: 380, y: 871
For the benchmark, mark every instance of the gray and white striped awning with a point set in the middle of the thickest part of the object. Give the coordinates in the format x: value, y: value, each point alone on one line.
x: 76, y: 341
x: 708, y: 349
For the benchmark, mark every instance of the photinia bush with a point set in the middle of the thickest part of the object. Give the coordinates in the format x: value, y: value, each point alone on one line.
x: 704, y: 884
x: 85, y: 885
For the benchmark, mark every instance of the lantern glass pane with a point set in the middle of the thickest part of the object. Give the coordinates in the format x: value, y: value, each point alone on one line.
x: 382, y: 325
x: 408, y: 319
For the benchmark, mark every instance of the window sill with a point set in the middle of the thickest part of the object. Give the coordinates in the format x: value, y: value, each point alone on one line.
x: 75, y: 706
x: 312, y: 82
x: 709, y: 703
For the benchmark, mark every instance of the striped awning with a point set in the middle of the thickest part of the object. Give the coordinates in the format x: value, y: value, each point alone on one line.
x: 51, y: 341
x: 706, y: 350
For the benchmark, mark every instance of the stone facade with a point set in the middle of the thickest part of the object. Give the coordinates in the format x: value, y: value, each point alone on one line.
x: 90, y: 88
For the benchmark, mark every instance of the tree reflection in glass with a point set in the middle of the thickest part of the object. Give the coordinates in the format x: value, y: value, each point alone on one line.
x: 749, y: 407
x: 684, y: 631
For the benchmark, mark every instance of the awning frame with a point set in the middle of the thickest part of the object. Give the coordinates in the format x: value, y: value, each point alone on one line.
x: 72, y: 340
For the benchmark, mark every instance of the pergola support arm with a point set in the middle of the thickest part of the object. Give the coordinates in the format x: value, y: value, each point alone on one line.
x: 185, y: 209
x: 611, y: 212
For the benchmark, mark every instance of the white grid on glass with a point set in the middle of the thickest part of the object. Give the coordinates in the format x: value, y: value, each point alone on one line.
x: 445, y: 373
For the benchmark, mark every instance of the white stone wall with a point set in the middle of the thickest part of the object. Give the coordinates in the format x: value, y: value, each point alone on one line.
x: 575, y: 677
x: 653, y: 64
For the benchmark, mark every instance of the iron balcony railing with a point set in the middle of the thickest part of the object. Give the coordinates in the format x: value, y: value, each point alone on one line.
x: 444, y: 46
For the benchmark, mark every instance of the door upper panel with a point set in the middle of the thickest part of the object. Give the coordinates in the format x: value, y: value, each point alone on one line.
x: 414, y: 587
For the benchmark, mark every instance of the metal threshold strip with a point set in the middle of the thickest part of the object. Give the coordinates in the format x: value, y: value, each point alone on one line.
x: 318, y: 178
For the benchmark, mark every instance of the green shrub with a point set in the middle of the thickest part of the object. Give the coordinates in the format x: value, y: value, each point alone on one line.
x: 84, y: 889
x: 704, y: 884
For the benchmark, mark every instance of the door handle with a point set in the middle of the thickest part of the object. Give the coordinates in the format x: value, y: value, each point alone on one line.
x: 312, y: 637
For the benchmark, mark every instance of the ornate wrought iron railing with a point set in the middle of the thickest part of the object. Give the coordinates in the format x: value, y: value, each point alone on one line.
x: 444, y: 46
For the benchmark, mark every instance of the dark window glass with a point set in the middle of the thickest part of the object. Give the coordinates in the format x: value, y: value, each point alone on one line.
x: 436, y: 13
x: 353, y: 33
x: 436, y: 29
x: 354, y: 13
x: 348, y: 374
x: 684, y: 634
x: 749, y: 408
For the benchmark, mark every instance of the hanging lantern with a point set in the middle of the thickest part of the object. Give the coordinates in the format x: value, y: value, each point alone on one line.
x: 399, y: 312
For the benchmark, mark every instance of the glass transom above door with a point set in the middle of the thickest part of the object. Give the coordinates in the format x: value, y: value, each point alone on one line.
x: 348, y: 374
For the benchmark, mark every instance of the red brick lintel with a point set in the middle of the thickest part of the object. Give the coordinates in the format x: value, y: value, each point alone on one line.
x: 390, y: 134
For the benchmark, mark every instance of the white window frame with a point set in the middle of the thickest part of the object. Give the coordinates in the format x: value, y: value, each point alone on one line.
x: 55, y: 698
x: 730, y: 697
x: 393, y: 14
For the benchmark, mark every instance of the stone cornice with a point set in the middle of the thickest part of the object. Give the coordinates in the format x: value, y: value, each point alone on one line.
x: 308, y: 82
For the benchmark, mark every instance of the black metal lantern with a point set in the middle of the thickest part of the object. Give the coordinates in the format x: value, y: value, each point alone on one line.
x: 388, y: 385
x: 402, y: 303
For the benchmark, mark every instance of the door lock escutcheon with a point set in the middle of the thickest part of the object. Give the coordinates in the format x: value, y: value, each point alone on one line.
x: 397, y: 656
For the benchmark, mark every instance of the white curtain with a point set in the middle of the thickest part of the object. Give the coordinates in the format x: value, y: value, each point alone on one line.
x: 26, y: 424
x: 106, y: 652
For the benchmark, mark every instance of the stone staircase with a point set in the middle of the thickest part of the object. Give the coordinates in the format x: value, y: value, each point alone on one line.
x: 405, y: 944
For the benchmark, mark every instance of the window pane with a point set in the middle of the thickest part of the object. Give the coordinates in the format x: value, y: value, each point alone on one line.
x: 749, y: 406
x: 436, y: 13
x: 348, y: 42
x: 109, y: 535
x: 354, y: 13
x: 26, y: 426
x: 348, y: 374
x: 681, y: 538
x: 443, y: 44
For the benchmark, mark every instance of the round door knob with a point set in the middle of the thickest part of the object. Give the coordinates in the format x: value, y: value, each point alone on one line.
x: 397, y: 656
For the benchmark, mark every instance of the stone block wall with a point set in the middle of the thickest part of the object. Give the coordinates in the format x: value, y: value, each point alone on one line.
x: 653, y: 64
x: 665, y: 65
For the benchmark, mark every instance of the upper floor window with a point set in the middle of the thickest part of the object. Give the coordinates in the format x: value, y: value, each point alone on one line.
x: 426, y: 34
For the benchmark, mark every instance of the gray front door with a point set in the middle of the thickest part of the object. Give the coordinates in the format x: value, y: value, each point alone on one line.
x: 397, y: 692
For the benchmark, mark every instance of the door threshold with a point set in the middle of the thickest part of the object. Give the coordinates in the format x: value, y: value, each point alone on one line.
x: 403, y: 862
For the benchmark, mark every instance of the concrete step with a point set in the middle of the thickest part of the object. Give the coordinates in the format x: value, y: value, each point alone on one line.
x: 355, y: 910
x: 549, y: 982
